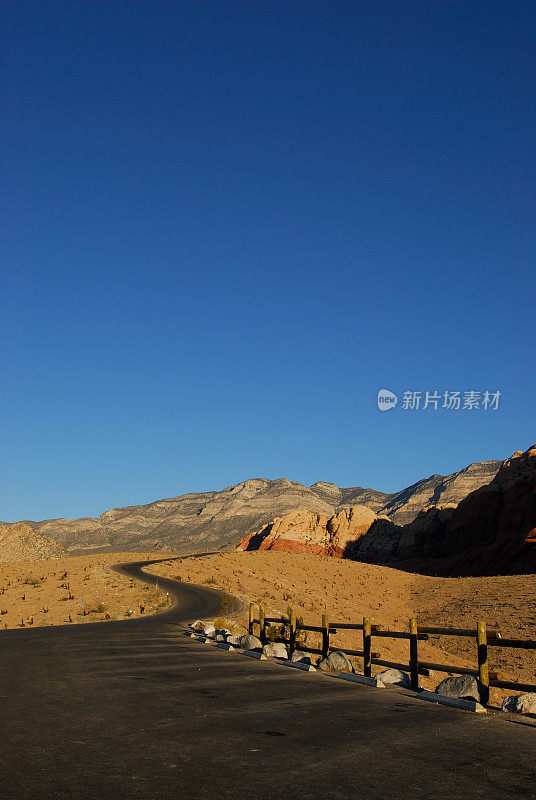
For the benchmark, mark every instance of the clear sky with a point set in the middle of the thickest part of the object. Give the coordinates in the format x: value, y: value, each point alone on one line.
x: 226, y: 225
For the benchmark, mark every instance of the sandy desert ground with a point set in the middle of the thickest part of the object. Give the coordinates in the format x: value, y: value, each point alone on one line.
x: 348, y: 590
x: 72, y: 590
x: 83, y: 589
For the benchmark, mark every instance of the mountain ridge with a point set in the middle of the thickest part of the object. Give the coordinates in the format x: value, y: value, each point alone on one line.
x: 217, y: 520
x: 492, y: 530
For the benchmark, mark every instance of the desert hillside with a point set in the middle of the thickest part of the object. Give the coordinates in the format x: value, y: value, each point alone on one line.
x: 348, y: 591
x: 72, y: 590
x: 20, y: 541
x: 217, y: 520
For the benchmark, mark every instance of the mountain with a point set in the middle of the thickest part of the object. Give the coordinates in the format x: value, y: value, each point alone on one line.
x: 438, y: 490
x: 20, y: 542
x: 491, y: 531
x: 218, y: 519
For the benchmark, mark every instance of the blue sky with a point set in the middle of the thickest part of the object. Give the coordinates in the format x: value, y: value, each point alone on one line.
x: 226, y: 225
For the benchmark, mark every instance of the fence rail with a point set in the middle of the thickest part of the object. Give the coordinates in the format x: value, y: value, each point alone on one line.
x: 484, y: 638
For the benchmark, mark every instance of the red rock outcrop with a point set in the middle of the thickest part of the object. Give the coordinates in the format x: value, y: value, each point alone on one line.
x: 303, y: 532
x: 298, y: 531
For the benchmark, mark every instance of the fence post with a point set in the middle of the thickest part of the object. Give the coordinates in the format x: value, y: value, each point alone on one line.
x: 292, y: 634
x: 413, y: 654
x: 262, y: 625
x: 367, y: 648
x: 482, y: 644
x: 251, y: 618
x: 325, y: 636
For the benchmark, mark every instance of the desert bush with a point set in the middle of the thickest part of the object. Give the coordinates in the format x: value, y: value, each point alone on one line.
x: 100, y: 608
x: 274, y: 632
x: 221, y: 622
x: 271, y: 633
x: 225, y: 603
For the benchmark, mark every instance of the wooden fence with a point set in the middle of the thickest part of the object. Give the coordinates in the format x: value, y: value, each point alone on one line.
x: 483, y: 636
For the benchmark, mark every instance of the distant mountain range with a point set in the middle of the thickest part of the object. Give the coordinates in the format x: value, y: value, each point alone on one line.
x: 217, y: 520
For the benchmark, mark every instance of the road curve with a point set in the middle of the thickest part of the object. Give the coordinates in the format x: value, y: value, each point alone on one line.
x: 189, y: 601
x: 134, y: 709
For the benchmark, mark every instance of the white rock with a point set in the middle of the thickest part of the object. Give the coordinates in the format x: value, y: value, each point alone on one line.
x: 275, y: 650
x: 249, y: 642
x: 209, y: 630
x: 198, y: 625
x: 338, y: 661
x: 520, y: 703
x: 393, y: 676
x: 234, y: 640
x: 302, y: 658
x: 463, y: 687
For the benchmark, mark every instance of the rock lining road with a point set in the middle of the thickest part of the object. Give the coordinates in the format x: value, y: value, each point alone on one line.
x: 134, y: 709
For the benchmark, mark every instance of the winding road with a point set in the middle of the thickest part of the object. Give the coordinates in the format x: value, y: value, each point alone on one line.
x: 134, y: 709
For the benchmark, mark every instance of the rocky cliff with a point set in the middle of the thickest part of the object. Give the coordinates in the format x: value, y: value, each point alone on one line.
x: 491, y: 531
x: 303, y: 532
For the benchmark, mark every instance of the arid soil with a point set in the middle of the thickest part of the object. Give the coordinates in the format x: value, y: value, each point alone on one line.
x: 72, y: 590
x: 347, y: 591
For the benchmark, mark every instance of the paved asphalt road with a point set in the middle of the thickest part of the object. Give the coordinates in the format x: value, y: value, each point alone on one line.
x: 134, y: 709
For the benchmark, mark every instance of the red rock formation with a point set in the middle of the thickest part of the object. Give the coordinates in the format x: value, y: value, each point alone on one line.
x: 303, y: 532
x: 298, y: 532
x: 348, y: 526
